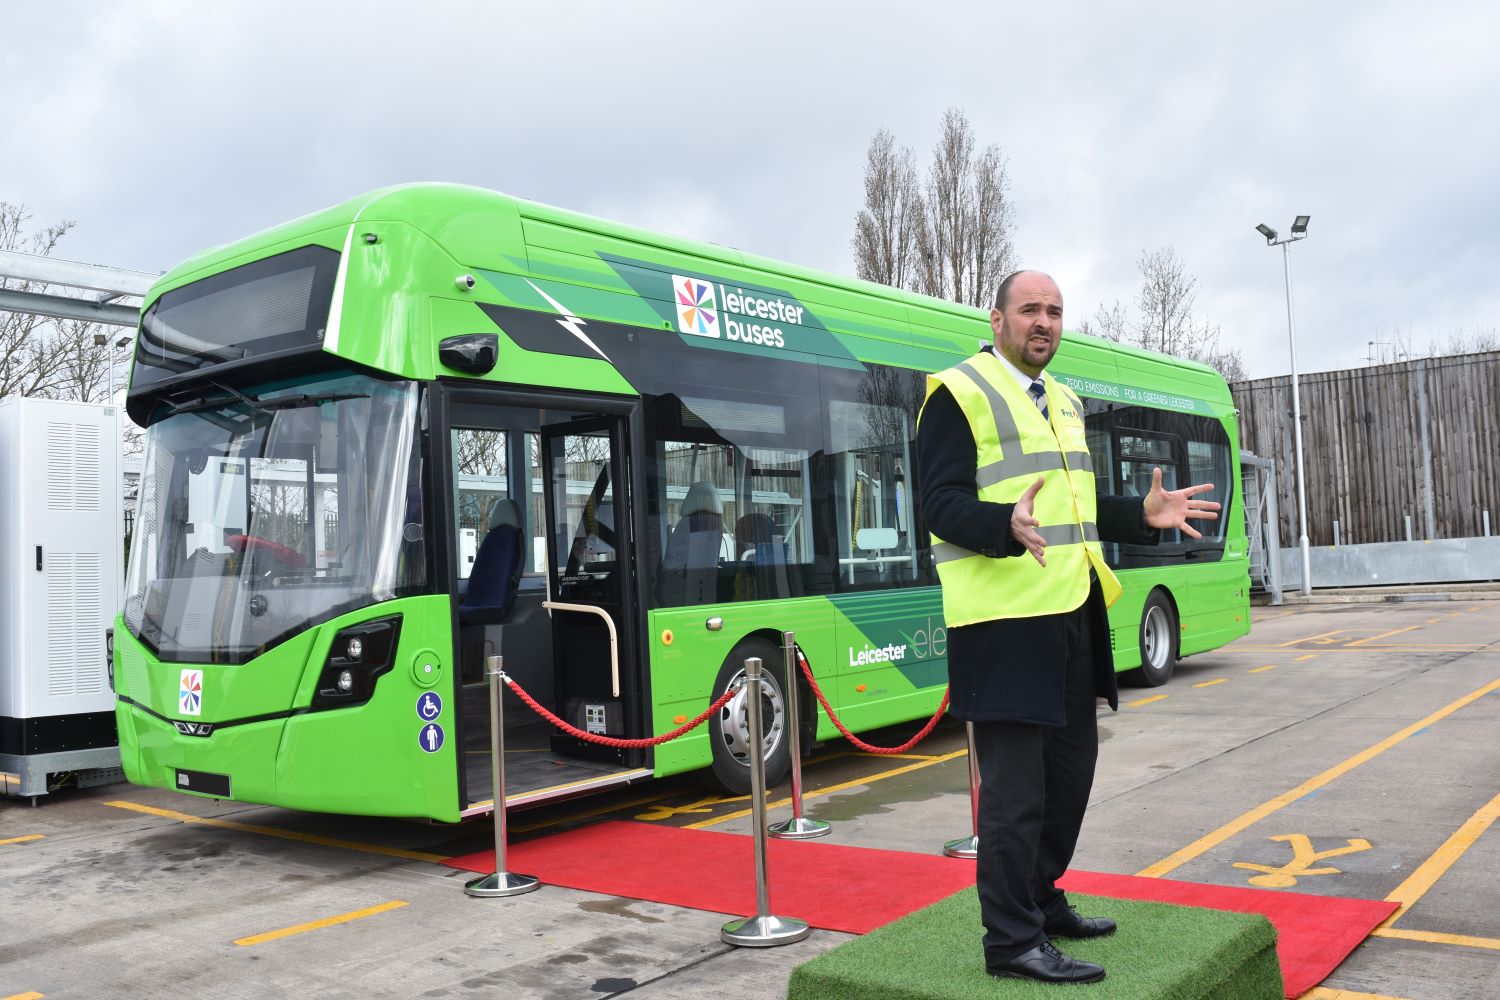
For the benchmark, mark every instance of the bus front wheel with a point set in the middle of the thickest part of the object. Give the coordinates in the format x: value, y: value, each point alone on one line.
x: 729, y: 729
x: 1158, y: 641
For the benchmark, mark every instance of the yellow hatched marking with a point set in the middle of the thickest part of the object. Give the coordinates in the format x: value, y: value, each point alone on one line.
x: 342, y: 918
x: 1309, y: 656
x: 704, y: 805
x: 1147, y: 701
x: 22, y: 840
x: 1327, y: 993
x: 1314, y: 638
x: 1383, y: 635
x: 271, y: 831
x: 1429, y: 871
x: 1260, y: 670
x: 1434, y: 937
x: 856, y: 783
x: 589, y: 814
x: 1209, y: 684
x: 1303, y: 858
x: 1207, y: 843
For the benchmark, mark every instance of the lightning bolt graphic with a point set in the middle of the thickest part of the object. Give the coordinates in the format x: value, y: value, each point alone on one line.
x: 571, y: 323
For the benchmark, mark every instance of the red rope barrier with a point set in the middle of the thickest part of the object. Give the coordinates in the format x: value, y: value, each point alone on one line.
x: 861, y: 744
x: 614, y: 741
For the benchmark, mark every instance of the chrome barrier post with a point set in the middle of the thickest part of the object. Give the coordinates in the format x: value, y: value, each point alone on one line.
x: 968, y: 847
x: 762, y: 930
x: 500, y: 882
x: 796, y: 828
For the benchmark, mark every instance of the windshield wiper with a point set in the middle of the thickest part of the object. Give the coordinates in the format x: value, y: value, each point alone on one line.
x: 233, y: 395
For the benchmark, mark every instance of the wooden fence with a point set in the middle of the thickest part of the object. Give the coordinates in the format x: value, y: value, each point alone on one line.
x: 1418, y: 439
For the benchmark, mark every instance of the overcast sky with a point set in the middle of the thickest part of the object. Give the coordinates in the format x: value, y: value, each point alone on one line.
x: 162, y: 128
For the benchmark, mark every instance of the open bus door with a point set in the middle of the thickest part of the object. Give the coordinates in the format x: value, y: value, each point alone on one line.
x: 546, y: 470
x: 591, y: 583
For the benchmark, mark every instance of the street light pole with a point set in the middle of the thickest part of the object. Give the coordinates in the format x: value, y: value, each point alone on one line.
x: 1299, y: 231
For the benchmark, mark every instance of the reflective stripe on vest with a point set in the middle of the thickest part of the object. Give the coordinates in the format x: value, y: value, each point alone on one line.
x: 1014, y: 446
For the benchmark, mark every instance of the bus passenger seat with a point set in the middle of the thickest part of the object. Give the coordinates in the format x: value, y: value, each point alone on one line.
x: 690, y: 570
x: 497, y: 569
x: 764, y: 551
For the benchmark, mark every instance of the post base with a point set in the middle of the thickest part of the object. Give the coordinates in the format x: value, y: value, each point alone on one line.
x: 501, y: 884
x: 763, y: 932
x: 799, y: 828
x: 966, y: 847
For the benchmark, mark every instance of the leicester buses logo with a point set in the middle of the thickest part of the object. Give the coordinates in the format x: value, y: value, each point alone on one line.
x: 190, y: 693
x: 697, y: 313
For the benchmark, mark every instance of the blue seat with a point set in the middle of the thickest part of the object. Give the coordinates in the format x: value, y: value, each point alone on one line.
x: 690, y: 568
x: 498, y: 566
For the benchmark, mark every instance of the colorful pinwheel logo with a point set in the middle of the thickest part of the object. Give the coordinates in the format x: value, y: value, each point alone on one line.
x: 190, y: 693
x: 697, y: 312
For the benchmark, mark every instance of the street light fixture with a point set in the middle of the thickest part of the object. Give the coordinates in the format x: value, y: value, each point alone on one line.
x: 1299, y: 232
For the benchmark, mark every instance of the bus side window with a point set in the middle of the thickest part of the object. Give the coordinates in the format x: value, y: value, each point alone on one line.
x: 870, y: 442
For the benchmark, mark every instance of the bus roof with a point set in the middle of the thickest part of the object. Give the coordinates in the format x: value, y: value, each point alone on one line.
x: 502, y: 237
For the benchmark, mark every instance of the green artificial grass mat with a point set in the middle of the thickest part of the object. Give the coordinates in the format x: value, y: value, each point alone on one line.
x: 1160, y: 951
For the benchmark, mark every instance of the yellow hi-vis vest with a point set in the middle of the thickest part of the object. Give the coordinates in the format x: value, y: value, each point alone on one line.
x: 1015, y: 444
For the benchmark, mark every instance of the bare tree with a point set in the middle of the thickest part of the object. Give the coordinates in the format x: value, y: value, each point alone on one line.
x: 80, y: 362
x: 1167, y: 322
x: 1165, y: 301
x: 28, y: 365
x: 885, y: 231
x: 952, y: 237
x: 1109, y: 323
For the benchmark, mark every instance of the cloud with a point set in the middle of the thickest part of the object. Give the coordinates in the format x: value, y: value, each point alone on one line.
x: 165, y: 127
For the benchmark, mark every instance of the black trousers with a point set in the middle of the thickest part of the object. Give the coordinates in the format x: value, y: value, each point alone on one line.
x: 1035, y: 783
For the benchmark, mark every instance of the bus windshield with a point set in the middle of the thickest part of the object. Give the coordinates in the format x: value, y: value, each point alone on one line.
x: 269, y: 508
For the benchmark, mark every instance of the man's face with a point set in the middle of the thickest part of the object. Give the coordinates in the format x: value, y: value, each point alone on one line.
x: 1028, y: 331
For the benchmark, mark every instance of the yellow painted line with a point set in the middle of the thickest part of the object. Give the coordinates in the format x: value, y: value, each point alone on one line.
x: 1433, y: 937
x: 22, y: 840
x: 24, y: 996
x: 1429, y: 871
x: 1209, y: 684
x: 856, y: 783
x: 1383, y: 635
x: 1261, y: 670
x: 1328, y: 993
x: 1433, y: 621
x: 1474, y: 608
x: 1146, y: 701
x: 342, y: 918
x: 1207, y: 843
x: 590, y: 814
x: 1310, y: 638
x: 271, y: 831
x: 1309, y: 656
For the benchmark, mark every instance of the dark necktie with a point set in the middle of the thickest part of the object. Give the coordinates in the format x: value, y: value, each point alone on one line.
x: 1039, y: 396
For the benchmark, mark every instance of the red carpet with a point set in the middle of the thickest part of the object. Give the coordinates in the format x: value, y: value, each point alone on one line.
x: 856, y: 889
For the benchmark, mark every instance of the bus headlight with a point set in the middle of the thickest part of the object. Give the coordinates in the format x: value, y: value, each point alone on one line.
x: 357, y: 657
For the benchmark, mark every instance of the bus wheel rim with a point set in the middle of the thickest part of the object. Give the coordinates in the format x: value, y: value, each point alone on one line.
x: 734, y: 719
x: 1155, y: 638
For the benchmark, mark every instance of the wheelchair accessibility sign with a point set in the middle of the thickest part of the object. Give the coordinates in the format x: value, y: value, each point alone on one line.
x: 430, y: 739
x: 429, y: 707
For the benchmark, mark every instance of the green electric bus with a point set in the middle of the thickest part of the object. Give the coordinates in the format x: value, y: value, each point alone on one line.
x: 435, y: 423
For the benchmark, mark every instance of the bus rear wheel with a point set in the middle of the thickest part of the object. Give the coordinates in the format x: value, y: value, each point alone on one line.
x: 729, y: 729
x: 1158, y: 641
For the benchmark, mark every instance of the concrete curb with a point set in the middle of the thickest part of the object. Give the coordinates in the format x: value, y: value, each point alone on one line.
x: 1382, y: 595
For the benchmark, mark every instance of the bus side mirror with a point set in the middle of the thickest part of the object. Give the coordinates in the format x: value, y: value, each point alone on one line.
x: 475, y: 353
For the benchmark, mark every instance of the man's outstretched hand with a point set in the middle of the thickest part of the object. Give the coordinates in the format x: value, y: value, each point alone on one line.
x: 1168, y: 509
x: 1023, y: 524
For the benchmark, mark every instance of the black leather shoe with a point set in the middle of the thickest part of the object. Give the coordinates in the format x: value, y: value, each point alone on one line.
x: 1045, y: 964
x: 1071, y: 925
